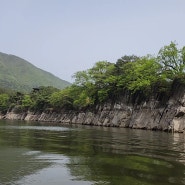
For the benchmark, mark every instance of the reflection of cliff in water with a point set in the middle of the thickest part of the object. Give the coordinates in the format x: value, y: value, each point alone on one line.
x: 179, y: 146
x: 99, y: 154
x: 130, y: 169
x: 126, y: 156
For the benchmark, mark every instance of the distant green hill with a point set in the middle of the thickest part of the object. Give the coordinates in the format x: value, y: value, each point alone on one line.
x: 20, y: 75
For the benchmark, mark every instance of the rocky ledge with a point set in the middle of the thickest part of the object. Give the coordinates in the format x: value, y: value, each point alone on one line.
x: 153, y: 114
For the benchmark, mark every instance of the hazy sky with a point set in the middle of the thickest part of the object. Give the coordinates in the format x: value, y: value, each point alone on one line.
x: 66, y: 36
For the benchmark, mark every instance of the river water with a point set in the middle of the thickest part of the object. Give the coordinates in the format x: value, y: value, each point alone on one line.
x: 48, y: 154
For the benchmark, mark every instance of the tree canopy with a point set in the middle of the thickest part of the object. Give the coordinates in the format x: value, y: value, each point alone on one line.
x: 106, y: 80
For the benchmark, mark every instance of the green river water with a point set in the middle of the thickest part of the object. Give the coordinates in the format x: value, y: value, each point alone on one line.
x: 51, y: 154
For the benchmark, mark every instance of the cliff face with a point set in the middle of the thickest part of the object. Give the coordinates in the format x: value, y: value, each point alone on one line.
x: 153, y: 114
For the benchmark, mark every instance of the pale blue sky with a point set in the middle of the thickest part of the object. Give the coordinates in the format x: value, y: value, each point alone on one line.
x: 66, y: 36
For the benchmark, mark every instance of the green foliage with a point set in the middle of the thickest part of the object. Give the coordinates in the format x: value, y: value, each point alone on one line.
x: 41, y: 97
x: 81, y: 78
x: 125, y: 59
x: 94, y: 83
x: 136, y: 74
x: 61, y: 98
x: 4, y: 102
x: 99, y: 73
x: 102, y: 95
x: 172, y: 60
x: 144, y: 75
x: 19, y: 75
x: 83, y: 100
x: 6, y: 91
x: 27, y: 101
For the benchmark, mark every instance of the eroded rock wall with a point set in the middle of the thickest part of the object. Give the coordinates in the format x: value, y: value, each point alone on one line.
x: 152, y: 114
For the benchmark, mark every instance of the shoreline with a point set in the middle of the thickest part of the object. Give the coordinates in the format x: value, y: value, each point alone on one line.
x: 156, y: 113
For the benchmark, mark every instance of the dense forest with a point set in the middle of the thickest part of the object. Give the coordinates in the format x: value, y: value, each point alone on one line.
x: 20, y: 75
x: 145, y: 75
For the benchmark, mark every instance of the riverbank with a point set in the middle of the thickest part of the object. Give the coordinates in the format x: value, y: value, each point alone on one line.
x: 157, y: 113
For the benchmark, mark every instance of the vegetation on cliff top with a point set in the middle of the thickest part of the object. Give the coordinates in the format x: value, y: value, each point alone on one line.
x: 144, y: 75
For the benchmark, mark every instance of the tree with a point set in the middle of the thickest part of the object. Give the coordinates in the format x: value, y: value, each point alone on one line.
x: 99, y: 73
x: 81, y: 78
x: 4, y: 102
x: 83, y: 100
x: 125, y: 59
x: 41, y: 97
x: 27, y: 101
x: 61, y: 98
x: 141, y: 75
x: 172, y: 60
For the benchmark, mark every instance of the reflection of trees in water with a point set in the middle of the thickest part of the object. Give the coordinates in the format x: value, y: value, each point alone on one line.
x: 102, y: 155
x: 17, y: 162
x: 121, y: 169
x: 125, y: 156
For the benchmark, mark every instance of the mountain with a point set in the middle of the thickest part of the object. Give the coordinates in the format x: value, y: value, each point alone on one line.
x: 20, y: 75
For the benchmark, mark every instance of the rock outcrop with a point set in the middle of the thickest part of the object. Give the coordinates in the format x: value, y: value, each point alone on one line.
x: 156, y: 113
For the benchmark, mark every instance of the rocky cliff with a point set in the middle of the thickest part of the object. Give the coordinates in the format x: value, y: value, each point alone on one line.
x: 158, y: 112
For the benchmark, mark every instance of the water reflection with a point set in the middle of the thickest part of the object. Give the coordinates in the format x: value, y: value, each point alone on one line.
x: 179, y: 146
x: 16, y: 164
x: 40, y: 154
x: 55, y: 173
